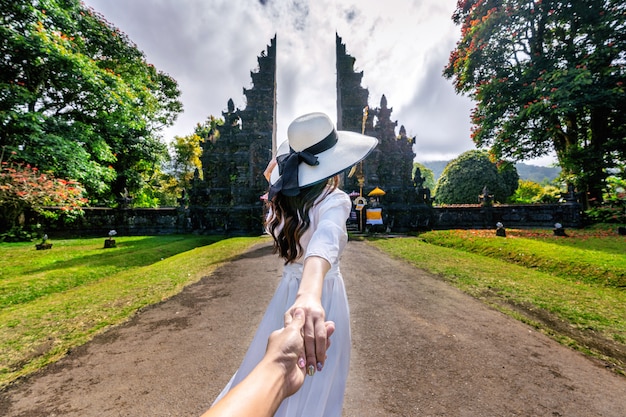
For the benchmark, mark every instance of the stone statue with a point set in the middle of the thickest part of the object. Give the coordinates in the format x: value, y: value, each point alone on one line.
x: 485, y: 198
x: 418, y: 180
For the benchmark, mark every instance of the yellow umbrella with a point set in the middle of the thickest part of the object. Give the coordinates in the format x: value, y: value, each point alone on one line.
x: 376, y: 192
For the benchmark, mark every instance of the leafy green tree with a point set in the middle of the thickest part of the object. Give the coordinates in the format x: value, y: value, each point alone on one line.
x: 465, y: 177
x: 531, y: 192
x: 509, y: 179
x: 613, y: 209
x: 527, y: 192
x: 546, y: 75
x: 208, y: 131
x: 186, y: 158
x: 78, y: 97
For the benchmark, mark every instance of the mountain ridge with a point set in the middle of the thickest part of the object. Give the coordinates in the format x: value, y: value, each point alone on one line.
x: 536, y: 173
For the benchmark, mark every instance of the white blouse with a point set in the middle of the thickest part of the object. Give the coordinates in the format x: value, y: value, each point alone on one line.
x: 326, y: 236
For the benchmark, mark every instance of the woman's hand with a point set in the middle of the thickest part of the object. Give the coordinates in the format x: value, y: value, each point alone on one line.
x: 268, y: 170
x: 315, y: 331
x: 309, y: 299
x: 286, y: 348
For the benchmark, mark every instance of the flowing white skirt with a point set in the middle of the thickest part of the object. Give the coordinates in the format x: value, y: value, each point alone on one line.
x: 321, y: 395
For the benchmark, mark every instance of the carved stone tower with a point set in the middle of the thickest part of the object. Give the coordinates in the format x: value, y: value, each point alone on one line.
x: 390, y: 165
x: 233, y: 161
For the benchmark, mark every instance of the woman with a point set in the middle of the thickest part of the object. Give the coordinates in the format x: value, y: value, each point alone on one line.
x: 307, y: 219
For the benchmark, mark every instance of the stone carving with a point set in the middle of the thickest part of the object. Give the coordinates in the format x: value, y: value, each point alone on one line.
x: 226, y: 198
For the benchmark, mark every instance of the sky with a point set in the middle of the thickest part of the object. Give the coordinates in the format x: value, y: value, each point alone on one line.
x: 402, y: 46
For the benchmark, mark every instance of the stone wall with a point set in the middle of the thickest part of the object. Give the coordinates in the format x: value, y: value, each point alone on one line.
x: 98, y: 221
x: 511, y: 216
x: 399, y: 217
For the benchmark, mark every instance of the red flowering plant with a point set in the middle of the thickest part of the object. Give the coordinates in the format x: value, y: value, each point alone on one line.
x: 25, y: 189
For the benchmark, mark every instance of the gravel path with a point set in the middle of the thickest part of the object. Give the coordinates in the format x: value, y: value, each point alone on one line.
x: 420, y: 348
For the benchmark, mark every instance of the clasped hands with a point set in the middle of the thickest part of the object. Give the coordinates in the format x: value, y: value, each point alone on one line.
x: 298, y: 347
x: 277, y: 376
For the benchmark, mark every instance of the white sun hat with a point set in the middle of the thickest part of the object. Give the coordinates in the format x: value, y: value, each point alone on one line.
x: 315, y: 151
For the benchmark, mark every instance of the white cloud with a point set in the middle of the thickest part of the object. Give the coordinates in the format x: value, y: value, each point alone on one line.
x: 210, y: 48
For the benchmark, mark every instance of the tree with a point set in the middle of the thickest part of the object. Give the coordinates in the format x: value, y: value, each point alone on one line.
x: 528, y: 192
x: 509, y: 179
x: 186, y: 158
x: 465, y: 177
x: 79, y: 98
x: 546, y: 75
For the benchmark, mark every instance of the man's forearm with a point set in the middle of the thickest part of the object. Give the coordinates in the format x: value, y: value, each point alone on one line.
x: 258, y: 395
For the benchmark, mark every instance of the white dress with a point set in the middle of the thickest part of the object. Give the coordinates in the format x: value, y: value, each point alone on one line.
x: 321, y: 395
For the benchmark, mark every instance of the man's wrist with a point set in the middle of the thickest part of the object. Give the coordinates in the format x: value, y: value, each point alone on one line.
x: 274, y: 375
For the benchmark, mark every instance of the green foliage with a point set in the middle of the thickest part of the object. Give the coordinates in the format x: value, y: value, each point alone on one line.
x: 613, y: 208
x: 509, y: 179
x: 186, y: 158
x: 546, y: 75
x: 79, y: 99
x: 549, y: 194
x: 526, y: 192
x: 19, y: 233
x: 146, y: 199
x: 464, y: 179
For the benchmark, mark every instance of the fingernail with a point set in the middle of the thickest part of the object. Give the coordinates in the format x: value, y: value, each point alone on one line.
x: 301, y: 363
x: 319, y: 366
x: 311, y: 370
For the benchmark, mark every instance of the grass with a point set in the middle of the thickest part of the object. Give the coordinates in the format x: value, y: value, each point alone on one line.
x: 573, y: 288
x: 54, y: 300
x: 591, y: 256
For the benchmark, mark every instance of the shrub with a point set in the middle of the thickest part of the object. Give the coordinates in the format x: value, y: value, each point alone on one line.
x: 464, y: 178
x: 24, y: 188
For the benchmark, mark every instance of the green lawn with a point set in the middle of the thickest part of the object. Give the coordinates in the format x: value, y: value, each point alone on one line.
x: 578, y: 280
x: 53, y: 300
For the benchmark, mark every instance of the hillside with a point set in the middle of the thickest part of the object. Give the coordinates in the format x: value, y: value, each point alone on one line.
x: 534, y: 173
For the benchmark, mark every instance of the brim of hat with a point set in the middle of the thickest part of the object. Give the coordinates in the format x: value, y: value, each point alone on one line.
x: 351, y: 148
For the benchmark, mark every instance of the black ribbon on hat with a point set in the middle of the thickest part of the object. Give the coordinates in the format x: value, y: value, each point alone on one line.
x: 288, y: 182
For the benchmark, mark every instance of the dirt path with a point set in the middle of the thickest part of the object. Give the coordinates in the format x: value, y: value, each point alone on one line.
x: 420, y: 348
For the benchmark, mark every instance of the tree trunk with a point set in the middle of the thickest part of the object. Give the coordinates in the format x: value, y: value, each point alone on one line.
x: 595, y: 174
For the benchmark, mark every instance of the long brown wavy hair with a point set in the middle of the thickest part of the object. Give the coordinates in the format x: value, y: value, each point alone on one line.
x: 289, y: 217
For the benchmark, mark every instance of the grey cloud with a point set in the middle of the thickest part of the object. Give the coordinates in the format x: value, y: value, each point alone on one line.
x: 211, y: 47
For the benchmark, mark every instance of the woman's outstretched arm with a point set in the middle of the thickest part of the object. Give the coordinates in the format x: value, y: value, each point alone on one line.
x: 309, y: 298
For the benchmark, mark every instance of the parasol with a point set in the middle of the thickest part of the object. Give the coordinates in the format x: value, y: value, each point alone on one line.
x: 376, y: 192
